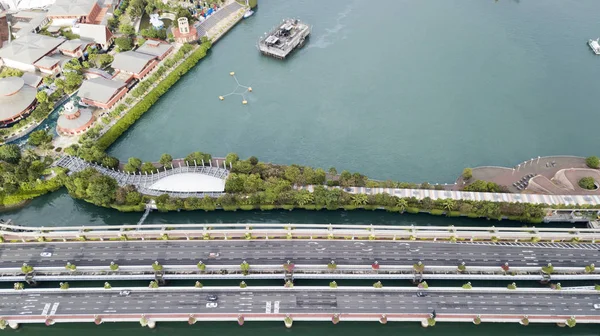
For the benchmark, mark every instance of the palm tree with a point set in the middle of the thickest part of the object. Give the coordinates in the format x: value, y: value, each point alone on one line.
x: 449, y: 204
x: 244, y: 267
x: 332, y: 265
x: 153, y: 284
x: 18, y: 286
x: 360, y: 199
x: 201, y: 266
x: 333, y: 284
x: 113, y: 266
x: 157, y: 266
x: 401, y: 204
x: 107, y: 285
x: 64, y: 285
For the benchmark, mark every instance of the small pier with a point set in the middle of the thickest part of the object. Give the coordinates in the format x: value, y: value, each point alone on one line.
x: 281, y: 41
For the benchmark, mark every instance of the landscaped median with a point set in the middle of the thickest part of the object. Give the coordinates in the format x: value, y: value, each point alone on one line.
x: 384, y: 304
x: 207, y: 270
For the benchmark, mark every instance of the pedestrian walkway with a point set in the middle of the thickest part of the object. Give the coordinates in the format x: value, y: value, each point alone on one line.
x: 572, y: 200
x: 208, y: 181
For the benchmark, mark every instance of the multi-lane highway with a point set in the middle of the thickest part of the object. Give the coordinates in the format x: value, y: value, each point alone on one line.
x: 298, y: 251
x: 298, y: 300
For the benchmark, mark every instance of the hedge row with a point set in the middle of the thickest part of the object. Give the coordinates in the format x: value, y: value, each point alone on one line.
x: 28, y: 192
x: 152, y: 97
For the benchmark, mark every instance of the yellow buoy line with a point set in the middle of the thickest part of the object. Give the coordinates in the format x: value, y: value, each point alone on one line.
x: 235, y: 91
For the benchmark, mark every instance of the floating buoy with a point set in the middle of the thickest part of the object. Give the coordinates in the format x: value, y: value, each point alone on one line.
x: 244, y: 102
x: 221, y: 98
x: 250, y: 89
x: 231, y: 73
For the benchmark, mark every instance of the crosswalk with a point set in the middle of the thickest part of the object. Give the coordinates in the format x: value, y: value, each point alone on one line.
x: 268, y: 307
x: 579, y: 246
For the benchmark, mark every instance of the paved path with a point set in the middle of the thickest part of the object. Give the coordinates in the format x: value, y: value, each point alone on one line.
x: 298, y: 301
x: 571, y: 200
x: 302, y: 252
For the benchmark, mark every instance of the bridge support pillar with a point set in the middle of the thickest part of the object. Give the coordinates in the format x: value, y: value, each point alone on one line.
x: 29, y: 280
x: 545, y: 278
x: 159, y: 277
x: 417, y: 278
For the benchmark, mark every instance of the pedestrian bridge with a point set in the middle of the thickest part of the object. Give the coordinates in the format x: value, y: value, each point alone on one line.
x: 182, y: 181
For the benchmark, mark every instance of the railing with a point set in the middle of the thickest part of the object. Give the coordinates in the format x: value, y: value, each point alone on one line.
x: 12, y: 233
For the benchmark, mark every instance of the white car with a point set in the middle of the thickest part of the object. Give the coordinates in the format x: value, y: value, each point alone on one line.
x: 597, y: 306
x: 213, y: 254
x: 46, y: 254
x: 212, y: 305
x: 124, y: 293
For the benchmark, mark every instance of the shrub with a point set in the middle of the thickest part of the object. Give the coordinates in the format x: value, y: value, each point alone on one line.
x: 587, y: 183
x: 467, y: 174
x: 592, y: 162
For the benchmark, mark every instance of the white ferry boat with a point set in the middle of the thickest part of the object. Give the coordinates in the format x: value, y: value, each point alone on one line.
x: 595, y: 45
x: 248, y: 13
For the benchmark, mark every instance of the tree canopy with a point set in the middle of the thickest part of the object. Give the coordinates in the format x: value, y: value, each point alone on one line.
x: 592, y: 162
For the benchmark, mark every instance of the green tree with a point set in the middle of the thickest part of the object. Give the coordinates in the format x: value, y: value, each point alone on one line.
x: 147, y: 167
x: 231, y: 158
x: 133, y: 164
x: 592, y: 162
x: 110, y: 162
x: 42, y: 96
x: 39, y: 137
x: 10, y: 153
x: 126, y: 29
x: 166, y: 159
x: 449, y: 204
x: 102, y: 190
x: 587, y: 183
x: 360, y: 199
x: 253, y: 160
x: 151, y: 32
x: 10, y: 72
x: 467, y: 174
x: 292, y: 174
x: 101, y: 60
x: 124, y: 43
x: 198, y: 157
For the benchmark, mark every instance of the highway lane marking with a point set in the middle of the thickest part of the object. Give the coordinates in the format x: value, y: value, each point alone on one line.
x: 54, y: 308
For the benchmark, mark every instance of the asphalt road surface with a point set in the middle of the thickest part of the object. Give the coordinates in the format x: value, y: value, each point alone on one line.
x: 298, y: 301
x: 301, y: 252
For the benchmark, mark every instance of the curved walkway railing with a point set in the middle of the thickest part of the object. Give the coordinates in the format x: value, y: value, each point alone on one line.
x: 144, y: 181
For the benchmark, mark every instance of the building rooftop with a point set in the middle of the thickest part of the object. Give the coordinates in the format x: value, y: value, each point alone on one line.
x: 71, y: 45
x: 47, y: 62
x: 84, y: 118
x: 154, y: 48
x: 95, y: 32
x: 99, y: 89
x: 71, y: 8
x: 29, y: 48
x: 15, y: 97
x: 131, y: 61
x: 32, y: 79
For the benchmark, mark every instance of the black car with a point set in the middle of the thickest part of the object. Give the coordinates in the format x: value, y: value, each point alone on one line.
x: 421, y: 294
x: 212, y: 298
